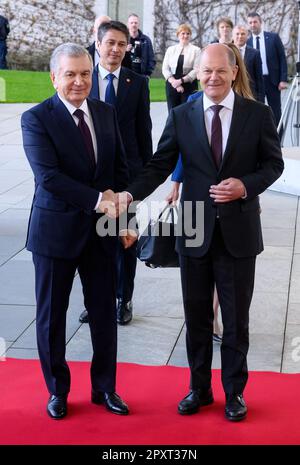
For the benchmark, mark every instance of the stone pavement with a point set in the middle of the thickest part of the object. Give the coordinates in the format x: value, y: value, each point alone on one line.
x: 156, y: 334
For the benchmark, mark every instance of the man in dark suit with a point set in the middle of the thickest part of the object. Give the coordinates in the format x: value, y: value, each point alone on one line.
x: 132, y: 102
x: 92, y: 48
x: 230, y: 154
x: 93, y: 51
x: 274, y: 62
x: 252, y: 62
x: 75, y: 151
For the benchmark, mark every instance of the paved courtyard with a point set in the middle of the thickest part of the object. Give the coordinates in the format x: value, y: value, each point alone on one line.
x: 156, y: 335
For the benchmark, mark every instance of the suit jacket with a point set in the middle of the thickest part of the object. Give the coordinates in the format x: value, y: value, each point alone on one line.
x: 252, y: 60
x: 252, y: 154
x: 276, y: 59
x: 91, y: 49
x: 133, y: 114
x: 66, y: 184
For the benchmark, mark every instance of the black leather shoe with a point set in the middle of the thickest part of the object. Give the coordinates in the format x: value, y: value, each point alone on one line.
x: 194, y: 400
x: 124, y: 312
x: 235, y: 409
x: 112, y: 402
x: 57, y: 407
x: 84, y: 317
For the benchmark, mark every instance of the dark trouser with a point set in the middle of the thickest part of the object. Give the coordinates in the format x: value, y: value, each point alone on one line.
x: 126, y: 264
x: 175, y: 98
x: 234, y: 278
x: 273, y: 95
x: 3, y: 52
x: 54, y: 279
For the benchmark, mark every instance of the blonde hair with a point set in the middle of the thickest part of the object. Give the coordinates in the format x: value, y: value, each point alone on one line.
x: 241, y: 85
x: 183, y: 27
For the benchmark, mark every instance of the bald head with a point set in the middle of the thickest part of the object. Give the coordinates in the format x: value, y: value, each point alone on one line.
x: 217, y: 71
x: 221, y: 50
x: 98, y: 21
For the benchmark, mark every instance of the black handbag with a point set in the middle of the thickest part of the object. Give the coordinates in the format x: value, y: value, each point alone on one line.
x: 156, y: 246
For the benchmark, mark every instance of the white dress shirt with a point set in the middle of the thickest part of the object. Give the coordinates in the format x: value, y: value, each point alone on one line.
x: 103, y: 82
x: 262, y: 49
x: 89, y: 121
x: 242, y: 51
x: 225, y: 116
x: 96, y: 57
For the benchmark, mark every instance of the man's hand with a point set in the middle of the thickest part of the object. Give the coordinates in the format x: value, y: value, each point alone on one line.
x: 128, y: 237
x: 228, y: 190
x: 109, y: 204
x: 123, y: 200
x: 282, y: 85
x: 113, y: 205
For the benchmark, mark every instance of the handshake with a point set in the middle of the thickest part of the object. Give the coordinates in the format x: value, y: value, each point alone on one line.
x: 113, y: 205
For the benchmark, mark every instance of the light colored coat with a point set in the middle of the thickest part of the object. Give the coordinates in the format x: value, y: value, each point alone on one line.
x: 190, y: 64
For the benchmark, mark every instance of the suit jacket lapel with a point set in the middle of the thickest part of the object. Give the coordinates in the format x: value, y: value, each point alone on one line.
x: 95, y: 84
x: 98, y: 125
x: 239, y: 119
x: 196, y: 115
x: 123, y: 88
x: 66, y: 126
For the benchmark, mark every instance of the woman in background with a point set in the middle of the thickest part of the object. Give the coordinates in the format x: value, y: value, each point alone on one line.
x: 224, y: 30
x: 179, y: 68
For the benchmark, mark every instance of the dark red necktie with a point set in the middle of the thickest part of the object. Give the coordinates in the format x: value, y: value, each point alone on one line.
x: 216, y: 135
x: 86, y: 134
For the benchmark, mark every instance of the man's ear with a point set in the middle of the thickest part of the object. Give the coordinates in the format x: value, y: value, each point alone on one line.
x: 53, y: 79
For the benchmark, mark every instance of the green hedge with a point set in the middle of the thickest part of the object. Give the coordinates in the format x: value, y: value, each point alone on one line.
x: 35, y: 86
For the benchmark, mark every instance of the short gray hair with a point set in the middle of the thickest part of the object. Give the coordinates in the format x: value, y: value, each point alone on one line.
x: 70, y: 50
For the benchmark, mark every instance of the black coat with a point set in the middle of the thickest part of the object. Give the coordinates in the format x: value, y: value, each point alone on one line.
x: 252, y: 154
x: 133, y: 114
x: 252, y: 60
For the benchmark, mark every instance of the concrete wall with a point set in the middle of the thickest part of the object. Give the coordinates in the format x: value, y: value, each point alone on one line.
x: 38, y: 26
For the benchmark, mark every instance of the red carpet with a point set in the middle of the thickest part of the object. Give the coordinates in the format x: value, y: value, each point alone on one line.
x: 152, y: 394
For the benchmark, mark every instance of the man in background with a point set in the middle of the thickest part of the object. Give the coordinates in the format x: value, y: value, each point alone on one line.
x: 4, y: 31
x: 139, y: 50
x: 252, y: 61
x: 274, y: 64
x: 128, y: 92
x: 92, y: 48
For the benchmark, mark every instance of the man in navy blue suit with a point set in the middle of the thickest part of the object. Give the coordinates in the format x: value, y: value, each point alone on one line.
x: 274, y: 62
x: 252, y: 60
x: 92, y: 48
x: 130, y: 96
x: 75, y: 151
x: 230, y: 154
